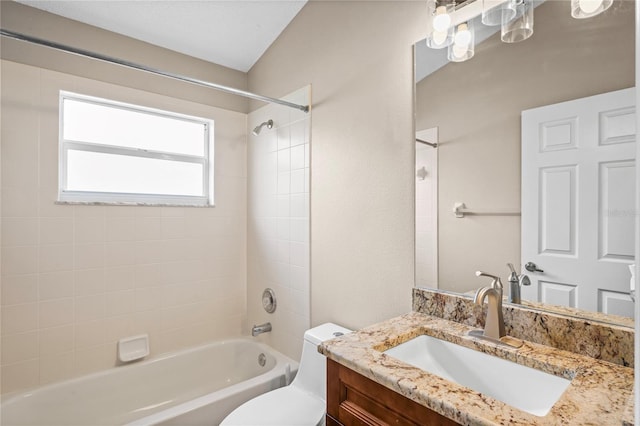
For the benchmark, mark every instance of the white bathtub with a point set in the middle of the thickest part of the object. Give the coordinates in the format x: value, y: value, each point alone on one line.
x: 198, y: 386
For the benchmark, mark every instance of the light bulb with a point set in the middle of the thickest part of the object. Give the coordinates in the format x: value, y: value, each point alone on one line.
x: 590, y: 6
x: 458, y: 51
x: 439, y: 37
x: 441, y: 20
x: 463, y: 36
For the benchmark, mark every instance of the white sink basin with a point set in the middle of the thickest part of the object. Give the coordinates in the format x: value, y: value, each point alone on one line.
x: 521, y: 387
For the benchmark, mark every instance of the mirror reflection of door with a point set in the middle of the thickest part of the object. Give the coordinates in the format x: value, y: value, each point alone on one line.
x: 578, y: 201
x: 426, y: 198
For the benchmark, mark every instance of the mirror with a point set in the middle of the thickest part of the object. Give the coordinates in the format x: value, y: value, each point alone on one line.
x: 472, y: 110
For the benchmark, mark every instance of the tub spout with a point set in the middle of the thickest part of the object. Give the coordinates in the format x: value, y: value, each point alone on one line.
x: 259, y: 329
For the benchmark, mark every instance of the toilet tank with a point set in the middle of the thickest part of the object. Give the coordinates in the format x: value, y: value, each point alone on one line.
x: 313, y: 365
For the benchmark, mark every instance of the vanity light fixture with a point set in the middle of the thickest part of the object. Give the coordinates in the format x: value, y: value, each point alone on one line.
x: 587, y: 8
x: 450, y: 21
x: 495, y: 12
x: 441, y: 30
x: 521, y: 26
x: 463, y: 46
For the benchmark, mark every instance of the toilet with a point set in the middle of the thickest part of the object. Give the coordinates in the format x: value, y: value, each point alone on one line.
x: 301, y: 403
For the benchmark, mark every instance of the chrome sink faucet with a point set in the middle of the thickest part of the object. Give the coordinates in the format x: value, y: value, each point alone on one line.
x: 515, y: 284
x: 496, y: 283
x: 494, y: 321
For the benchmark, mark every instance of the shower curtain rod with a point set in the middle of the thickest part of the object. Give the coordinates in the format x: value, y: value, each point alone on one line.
x: 100, y: 57
x: 431, y: 144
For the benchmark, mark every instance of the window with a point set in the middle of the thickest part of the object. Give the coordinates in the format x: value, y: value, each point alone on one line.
x: 111, y: 152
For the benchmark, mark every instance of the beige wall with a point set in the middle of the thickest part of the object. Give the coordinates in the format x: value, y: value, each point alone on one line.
x: 358, y: 57
x: 477, y: 105
x: 36, y: 23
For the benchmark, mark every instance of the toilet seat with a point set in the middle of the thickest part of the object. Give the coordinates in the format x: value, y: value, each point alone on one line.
x: 300, y: 409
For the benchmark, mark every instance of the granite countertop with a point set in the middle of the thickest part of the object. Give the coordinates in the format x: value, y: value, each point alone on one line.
x: 599, y: 393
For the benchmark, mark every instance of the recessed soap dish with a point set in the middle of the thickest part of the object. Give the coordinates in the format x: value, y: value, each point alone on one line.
x: 133, y: 348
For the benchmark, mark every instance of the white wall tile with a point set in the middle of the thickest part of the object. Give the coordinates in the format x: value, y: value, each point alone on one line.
x: 284, y: 183
x: 17, y: 289
x: 89, y: 230
x: 119, y: 303
x: 55, y: 367
x: 55, y: 257
x: 299, y: 254
x: 120, y: 277
x: 120, y: 228
x: 173, y: 227
x: 56, y: 340
x: 94, y: 359
x: 56, y: 230
x: 89, y: 333
x: 123, y: 253
x: 19, y: 318
x: 147, y: 298
x: 284, y: 137
x: 19, y: 231
x: 89, y: 308
x: 89, y: 281
x: 283, y: 228
x: 55, y: 285
x: 88, y: 256
x: 299, y: 230
x: 278, y: 228
x: 284, y: 160
x: 17, y: 202
x: 297, y: 181
x: 19, y: 260
x: 21, y: 375
x: 297, y: 157
x: 54, y: 313
x: 19, y: 347
x: 298, y: 133
x: 148, y: 228
x: 78, y: 277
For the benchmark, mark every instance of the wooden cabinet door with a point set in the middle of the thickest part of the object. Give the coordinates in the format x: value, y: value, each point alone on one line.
x: 353, y: 399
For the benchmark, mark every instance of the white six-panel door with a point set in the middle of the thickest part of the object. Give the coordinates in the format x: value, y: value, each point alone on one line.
x: 578, y: 201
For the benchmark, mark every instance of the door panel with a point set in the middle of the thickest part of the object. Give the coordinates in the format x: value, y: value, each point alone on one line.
x: 578, y: 201
x: 557, y: 201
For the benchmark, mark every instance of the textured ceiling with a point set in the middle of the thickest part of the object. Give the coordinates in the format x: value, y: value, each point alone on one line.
x: 233, y: 33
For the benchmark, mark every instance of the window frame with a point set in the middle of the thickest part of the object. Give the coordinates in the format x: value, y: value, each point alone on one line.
x: 66, y: 196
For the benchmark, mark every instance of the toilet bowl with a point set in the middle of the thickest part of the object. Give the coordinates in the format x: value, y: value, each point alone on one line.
x: 301, y: 403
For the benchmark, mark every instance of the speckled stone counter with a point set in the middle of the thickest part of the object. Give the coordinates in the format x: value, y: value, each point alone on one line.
x: 599, y: 392
x: 605, y: 337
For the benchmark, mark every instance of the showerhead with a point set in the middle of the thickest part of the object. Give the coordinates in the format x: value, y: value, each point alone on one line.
x: 257, y: 129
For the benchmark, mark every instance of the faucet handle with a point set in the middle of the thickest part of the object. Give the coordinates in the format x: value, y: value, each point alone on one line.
x: 496, y: 283
x: 513, y: 270
x: 524, y: 280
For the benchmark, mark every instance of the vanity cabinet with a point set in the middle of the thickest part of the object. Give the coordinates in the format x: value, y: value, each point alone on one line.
x: 353, y: 399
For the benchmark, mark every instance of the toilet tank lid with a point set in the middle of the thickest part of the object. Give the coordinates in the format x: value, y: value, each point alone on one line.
x: 319, y: 334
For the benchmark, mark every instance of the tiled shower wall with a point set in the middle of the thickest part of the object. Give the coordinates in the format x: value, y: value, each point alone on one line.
x: 278, y: 222
x: 75, y: 279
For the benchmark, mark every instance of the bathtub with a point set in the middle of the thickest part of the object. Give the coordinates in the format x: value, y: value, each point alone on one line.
x: 198, y: 386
